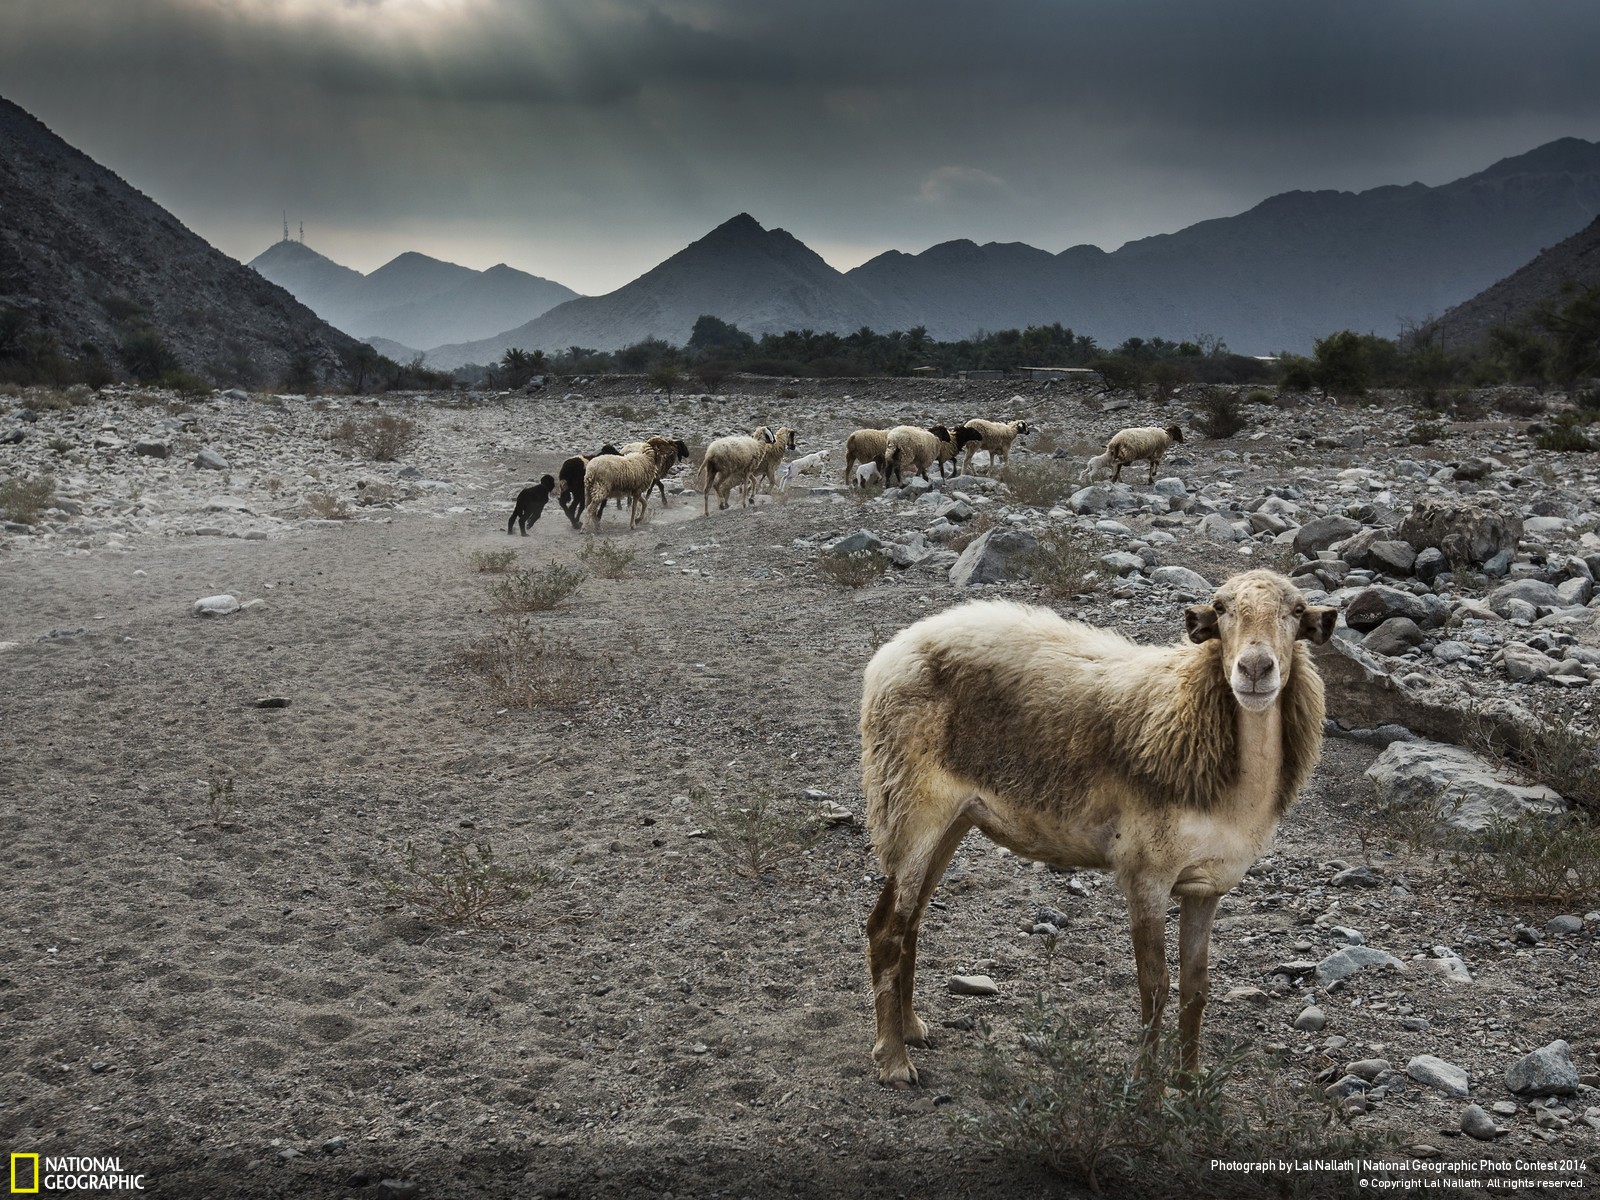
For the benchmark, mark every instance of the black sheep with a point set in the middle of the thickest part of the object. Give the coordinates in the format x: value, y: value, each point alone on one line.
x: 530, y: 503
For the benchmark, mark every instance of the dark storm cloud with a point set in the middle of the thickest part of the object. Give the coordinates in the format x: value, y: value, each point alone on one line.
x: 864, y: 122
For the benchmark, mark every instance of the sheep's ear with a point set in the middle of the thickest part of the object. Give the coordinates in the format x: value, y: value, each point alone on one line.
x: 1200, y: 621
x: 1316, y: 624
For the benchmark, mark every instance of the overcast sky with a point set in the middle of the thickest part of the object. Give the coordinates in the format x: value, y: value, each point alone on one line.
x: 585, y: 140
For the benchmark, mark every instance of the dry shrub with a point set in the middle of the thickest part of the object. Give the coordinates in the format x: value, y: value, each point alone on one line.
x: 855, y: 569
x: 24, y: 500
x: 460, y: 885
x: 491, y: 562
x: 326, y: 507
x: 521, y: 667
x: 532, y: 590
x: 382, y: 438
x: 1064, y: 566
x: 972, y: 531
x: 606, y: 558
x: 756, y: 833
x: 1221, y: 415
x: 1038, y: 485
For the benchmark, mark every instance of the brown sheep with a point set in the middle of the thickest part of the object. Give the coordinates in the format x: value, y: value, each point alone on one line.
x: 1169, y: 766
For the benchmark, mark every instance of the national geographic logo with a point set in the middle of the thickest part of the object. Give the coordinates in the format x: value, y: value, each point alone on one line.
x: 31, y: 1175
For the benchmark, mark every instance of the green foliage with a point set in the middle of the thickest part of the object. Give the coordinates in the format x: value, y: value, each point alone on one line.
x: 491, y: 562
x: 24, y: 500
x: 855, y: 569
x: 1221, y: 414
x: 755, y: 833
x: 1038, y: 484
x: 1340, y: 364
x: 665, y: 376
x: 1566, y: 435
x: 1426, y: 433
x: 714, y: 338
x: 518, y: 367
x: 531, y: 590
x: 465, y: 885
x: 1535, y: 859
x: 606, y: 558
x: 1573, y: 329
x: 146, y: 355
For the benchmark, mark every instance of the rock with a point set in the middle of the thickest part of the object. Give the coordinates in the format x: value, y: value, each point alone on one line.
x: 398, y: 1189
x: 1459, y: 788
x: 1479, y: 1124
x: 1473, y: 531
x: 1345, y: 1087
x: 993, y: 557
x: 1120, y: 562
x: 152, y: 448
x: 1359, y: 876
x: 1394, y: 637
x: 209, y: 460
x: 1574, y: 592
x: 1532, y: 591
x: 1342, y: 964
x: 1524, y: 664
x: 1451, y: 651
x: 854, y: 543
x: 1218, y: 528
x: 1548, y: 1071
x: 1430, y: 564
x: 1182, y: 579
x: 1368, y: 1068
x: 1373, y: 606
x: 973, y: 985
x: 1474, y: 469
x: 1436, y: 1073
x: 1504, y: 1108
x: 216, y: 606
x: 1311, y: 1019
x: 1323, y: 532
x: 12, y: 435
x: 1556, y: 926
x: 1450, y: 966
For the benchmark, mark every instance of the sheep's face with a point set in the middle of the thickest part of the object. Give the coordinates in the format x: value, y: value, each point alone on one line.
x: 1175, y: 433
x: 790, y: 443
x: 1258, y: 616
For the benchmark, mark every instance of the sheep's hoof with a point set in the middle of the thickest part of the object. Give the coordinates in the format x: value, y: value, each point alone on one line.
x: 901, y: 1077
x: 917, y: 1033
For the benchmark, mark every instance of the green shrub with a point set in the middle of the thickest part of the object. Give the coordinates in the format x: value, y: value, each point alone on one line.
x: 461, y: 885
x: 606, y: 558
x: 1064, y: 566
x: 756, y: 833
x: 491, y: 562
x: 24, y: 500
x: 1564, y: 437
x: 1425, y: 433
x: 855, y: 569
x: 532, y: 590
x: 1038, y: 484
x: 1259, y: 396
x: 1221, y: 415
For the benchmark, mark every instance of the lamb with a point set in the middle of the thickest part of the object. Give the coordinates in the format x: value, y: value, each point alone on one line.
x: 1169, y: 766
x: 530, y: 504
x: 632, y: 475
x: 915, y: 448
x: 863, y: 446
x: 569, y: 482
x: 734, y: 461
x: 806, y: 464
x: 992, y: 436
x: 1129, y: 446
x: 867, y: 473
x: 680, y: 453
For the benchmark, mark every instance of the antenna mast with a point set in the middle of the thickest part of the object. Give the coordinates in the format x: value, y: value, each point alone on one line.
x: 302, y: 233
x: 286, y: 225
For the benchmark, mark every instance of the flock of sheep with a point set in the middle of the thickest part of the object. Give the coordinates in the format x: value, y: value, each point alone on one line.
x: 584, y: 483
x: 1168, y: 766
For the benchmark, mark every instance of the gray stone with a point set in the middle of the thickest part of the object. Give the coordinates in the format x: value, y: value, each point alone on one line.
x: 1479, y: 1124
x: 956, y: 510
x: 1345, y: 1087
x: 1436, y: 1073
x: 1121, y: 562
x: 1459, y: 788
x: 1311, y: 1019
x: 1182, y: 579
x: 1574, y: 592
x: 1342, y: 964
x: 1391, y: 557
x: 1531, y: 591
x: 1539, y: 526
x: 1548, y: 1071
x: 862, y: 539
x: 973, y: 985
x: 1170, y: 486
x: 1451, y: 651
x: 1474, y: 469
x: 1394, y: 637
x: 209, y: 460
x: 1430, y: 564
x: 1323, y: 532
x: 1524, y: 664
x: 152, y: 448
x: 1368, y: 1068
x: 993, y: 557
x: 1556, y: 926
x: 1372, y: 606
x: 1473, y: 531
x: 1358, y: 876
x: 215, y: 606
x: 1218, y: 528
x: 910, y: 553
x: 1093, y: 499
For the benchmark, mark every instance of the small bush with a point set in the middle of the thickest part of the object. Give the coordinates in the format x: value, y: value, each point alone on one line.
x: 219, y: 801
x: 460, y: 885
x: 1425, y: 433
x: 1523, y: 404
x: 532, y: 590
x: 24, y: 500
x: 520, y: 667
x: 382, y: 438
x: 755, y: 834
x: 606, y: 558
x: 326, y: 507
x: 974, y: 529
x: 1064, y: 566
x: 1259, y: 396
x: 855, y: 569
x: 1549, y: 749
x: 1535, y: 859
x: 491, y: 562
x: 1221, y: 415
x: 1564, y: 437
x: 1038, y: 485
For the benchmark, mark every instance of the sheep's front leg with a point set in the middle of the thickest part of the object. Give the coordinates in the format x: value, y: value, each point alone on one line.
x: 886, y: 939
x: 1147, y: 917
x: 1194, y: 973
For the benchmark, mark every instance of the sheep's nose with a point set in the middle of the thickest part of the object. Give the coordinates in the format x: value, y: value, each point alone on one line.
x: 1256, y: 667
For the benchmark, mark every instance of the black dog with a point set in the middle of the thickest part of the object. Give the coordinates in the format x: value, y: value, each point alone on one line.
x: 530, y: 503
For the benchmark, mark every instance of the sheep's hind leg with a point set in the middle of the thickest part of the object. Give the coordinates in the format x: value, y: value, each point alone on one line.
x: 1194, y: 974
x: 916, y: 1030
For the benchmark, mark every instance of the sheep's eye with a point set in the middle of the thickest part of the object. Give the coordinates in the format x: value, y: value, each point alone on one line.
x: 1219, y: 606
x: 1299, y: 610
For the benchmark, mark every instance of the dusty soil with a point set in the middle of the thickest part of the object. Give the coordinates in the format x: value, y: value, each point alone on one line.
x: 212, y: 986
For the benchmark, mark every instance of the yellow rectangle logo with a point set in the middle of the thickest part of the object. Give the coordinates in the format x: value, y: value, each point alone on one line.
x: 16, y: 1189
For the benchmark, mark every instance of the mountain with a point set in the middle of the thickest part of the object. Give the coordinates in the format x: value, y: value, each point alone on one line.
x: 1573, y: 263
x: 1293, y: 268
x: 86, y: 258
x: 413, y: 299
x: 765, y: 281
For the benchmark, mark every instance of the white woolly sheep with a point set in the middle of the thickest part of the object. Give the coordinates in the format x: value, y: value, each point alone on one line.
x: 867, y: 474
x: 1147, y: 442
x: 631, y: 475
x: 766, y: 466
x: 994, y: 437
x: 679, y: 453
x: 733, y: 461
x: 1169, y: 766
x: 917, y: 449
x: 865, y: 445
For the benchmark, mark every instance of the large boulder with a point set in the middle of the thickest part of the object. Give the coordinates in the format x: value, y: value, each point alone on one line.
x: 1532, y: 591
x: 1473, y: 531
x: 1372, y: 606
x: 994, y: 557
x: 1462, y: 791
x: 1548, y: 1071
x: 1323, y: 532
